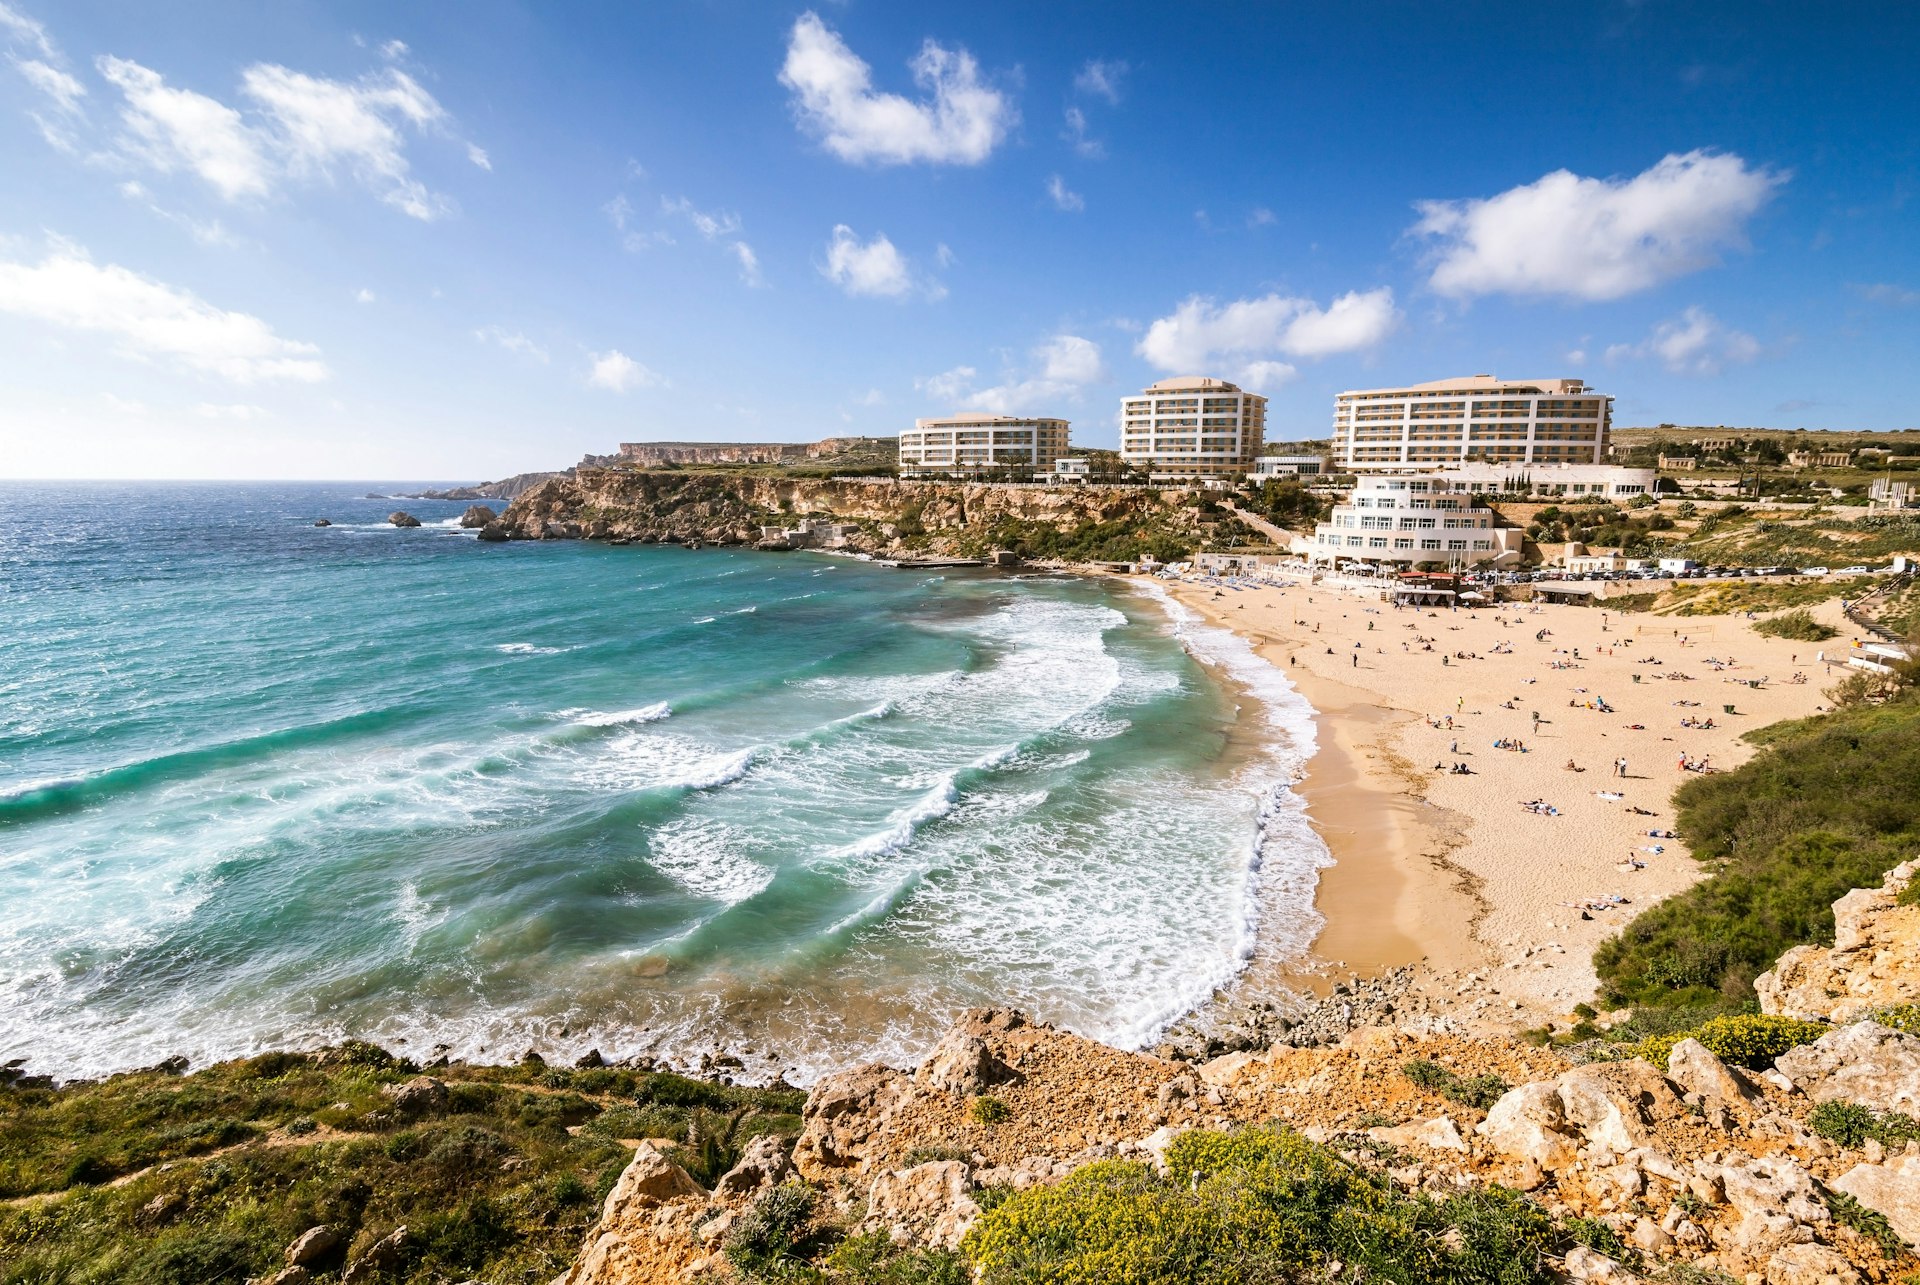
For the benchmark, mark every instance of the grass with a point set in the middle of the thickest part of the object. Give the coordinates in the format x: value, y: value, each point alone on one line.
x: 190, y: 1178
x: 1799, y: 625
x: 1826, y: 806
x: 1480, y: 1091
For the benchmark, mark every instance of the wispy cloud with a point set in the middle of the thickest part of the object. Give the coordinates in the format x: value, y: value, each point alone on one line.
x: 616, y: 372
x: 513, y: 341
x: 1102, y: 78
x: 874, y: 268
x: 1063, y: 197
x: 1056, y: 371
x: 1200, y: 334
x: 1694, y: 343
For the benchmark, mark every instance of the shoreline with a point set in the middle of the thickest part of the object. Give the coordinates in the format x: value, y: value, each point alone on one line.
x: 1443, y: 873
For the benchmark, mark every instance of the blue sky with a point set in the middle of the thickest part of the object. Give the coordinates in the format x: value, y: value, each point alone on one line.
x: 458, y: 241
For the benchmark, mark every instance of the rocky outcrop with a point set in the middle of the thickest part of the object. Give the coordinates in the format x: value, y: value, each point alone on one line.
x: 399, y: 517
x: 1891, y: 1190
x: 930, y: 1203
x: 477, y: 516
x: 422, y: 1095
x: 1866, y: 1063
x: 890, y: 516
x: 1874, y: 961
x: 507, y: 488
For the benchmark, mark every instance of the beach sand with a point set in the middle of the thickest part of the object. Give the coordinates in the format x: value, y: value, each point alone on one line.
x: 1451, y: 871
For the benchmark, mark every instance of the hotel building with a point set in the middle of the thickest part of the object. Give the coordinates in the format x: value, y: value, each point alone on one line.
x: 982, y: 443
x: 1474, y: 417
x: 1192, y: 427
x: 1402, y: 521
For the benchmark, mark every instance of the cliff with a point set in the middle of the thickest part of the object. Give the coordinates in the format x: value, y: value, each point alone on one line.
x: 944, y: 518
x: 848, y: 449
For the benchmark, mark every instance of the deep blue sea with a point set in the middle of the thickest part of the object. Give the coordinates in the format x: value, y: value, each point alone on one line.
x: 264, y: 784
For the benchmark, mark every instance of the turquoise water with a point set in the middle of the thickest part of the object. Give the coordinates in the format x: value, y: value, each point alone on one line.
x: 263, y: 785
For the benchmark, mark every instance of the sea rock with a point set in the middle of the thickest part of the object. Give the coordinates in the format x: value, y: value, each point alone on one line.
x: 379, y: 1257
x: 590, y: 1060
x: 764, y: 1163
x: 1866, y: 1063
x: 323, y: 522
x: 928, y: 1203
x: 1891, y: 1189
x: 478, y: 515
x: 312, y: 1245
x: 495, y: 533
x: 400, y: 518
x: 422, y: 1095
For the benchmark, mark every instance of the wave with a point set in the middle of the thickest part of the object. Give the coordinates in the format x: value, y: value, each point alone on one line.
x: 618, y: 718
x: 706, y: 620
x: 937, y: 802
x: 531, y: 649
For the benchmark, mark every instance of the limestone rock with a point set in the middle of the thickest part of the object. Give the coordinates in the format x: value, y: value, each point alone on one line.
x: 1867, y: 1063
x: 1874, y: 961
x: 1695, y: 1069
x: 1891, y: 1189
x: 1612, y: 1105
x: 1529, y: 1124
x: 422, y: 1095
x: 287, y: 1276
x: 1809, y: 1264
x: 1437, y: 1134
x: 312, y: 1245
x: 928, y: 1203
x: 379, y: 1256
x: 649, y: 1179
x: 495, y: 533
x: 401, y: 518
x: 762, y: 1164
x: 843, y: 1115
x: 478, y: 515
x: 1585, y: 1264
x: 962, y: 1064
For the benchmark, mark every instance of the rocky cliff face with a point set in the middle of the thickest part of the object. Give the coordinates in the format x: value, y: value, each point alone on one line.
x: 1874, y: 960
x: 946, y: 518
x: 1692, y: 1162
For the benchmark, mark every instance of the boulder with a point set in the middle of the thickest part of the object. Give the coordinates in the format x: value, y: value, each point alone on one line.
x: 1809, y: 1264
x: 422, y: 1095
x: 495, y: 533
x: 844, y: 1114
x: 400, y: 518
x: 1874, y: 961
x: 1693, y: 1066
x: 1437, y: 1134
x: 1891, y: 1189
x: 1866, y: 1063
x: 764, y: 1163
x: 323, y: 522
x: 383, y: 1254
x: 287, y: 1276
x: 1529, y: 1125
x: 649, y: 1179
x: 478, y: 515
x: 963, y: 1065
x: 1585, y: 1264
x: 1613, y: 1105
x: 928, y: 1203
x: 312, y: 1245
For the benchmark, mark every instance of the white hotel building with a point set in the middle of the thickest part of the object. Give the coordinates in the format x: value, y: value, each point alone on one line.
x: 1401, y: 521
x: 1470, y: 418
x: 1192, y: 427
x: 982, y: 444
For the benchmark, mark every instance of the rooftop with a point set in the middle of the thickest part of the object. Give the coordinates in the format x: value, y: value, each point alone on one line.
x: 1483, y: 383
x: 1192, y: 384
x: 943, y: 421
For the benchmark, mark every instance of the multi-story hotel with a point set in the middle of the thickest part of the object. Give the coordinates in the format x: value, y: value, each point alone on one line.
x: 1474, y: 417
x: 1403, y: 521
x: 982, y: 444
x: 1192, y: 427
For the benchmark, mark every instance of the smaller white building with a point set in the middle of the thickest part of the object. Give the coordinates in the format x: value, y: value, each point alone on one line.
x: 1609, y: 481
x: 1404, y: 521
x: 968, y: 444
x: 1276, y: 466
x: 1885, y: 493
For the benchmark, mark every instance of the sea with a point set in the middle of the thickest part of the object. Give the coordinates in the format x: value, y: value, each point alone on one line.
x: 269, y: 785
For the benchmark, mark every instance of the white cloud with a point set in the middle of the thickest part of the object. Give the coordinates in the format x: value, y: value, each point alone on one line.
x: 711, y: 226
x: 304, y: 127
x: 1063, y: 197
x: 833, y: 95
x: 393, y: 49
x: 749, y: 264
x: 240, y: 412
x: 1886, y: 292
x: 872, y: 268
x: 21, y: 29
x: 65, y: 91
x: 1101, y: 78
x: 478, y: 155
x: 1057, y: 371
x: 1261, y: 217
x: 364, y: 295
x: 1592, y: 239
x: 512, y: 341
x: 151, y: 320
x: 175, y: 128
x: 1200, y: 334
x: 872, y: 397
x: 1694, y: 343
x: 205, y: 231
x: 1076, y: 133
x: 1576, y: 357
x: 1266, y: 376
x: 616, y: 372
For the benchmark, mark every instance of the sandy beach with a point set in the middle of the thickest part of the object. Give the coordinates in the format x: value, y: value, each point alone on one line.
x: 1503, y: 903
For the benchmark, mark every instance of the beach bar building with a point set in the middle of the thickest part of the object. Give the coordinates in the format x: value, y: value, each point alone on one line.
x: 1405, y: 521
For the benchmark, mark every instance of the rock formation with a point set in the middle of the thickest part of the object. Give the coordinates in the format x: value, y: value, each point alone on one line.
x: 400, y: 517
x: 1874, y: 961
x: 478, y: 515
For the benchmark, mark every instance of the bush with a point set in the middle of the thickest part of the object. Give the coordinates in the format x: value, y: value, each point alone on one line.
x: 1750, y: 1040
x: 1797, y: 625
x: 774, y: 1231
x: 873, y: 1259
x: 1851, y: 1125
x: 1254, y: 1206
x: 1480, y: 1091
x: 1901, y: 1017
x: 990, y: 1110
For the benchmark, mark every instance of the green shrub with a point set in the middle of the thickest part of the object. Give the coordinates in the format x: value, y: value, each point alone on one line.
x: 873, y: 1259
x: 1851, y: 1125
x: 1798, y: 625
x: 712, y: 1146
x: 1480, y: 1091
x: 989, y: 1110
x: 1901, y: 1017
x: 1749, y: 1039
x: 774, y: 1231
x: 1870, y: 1223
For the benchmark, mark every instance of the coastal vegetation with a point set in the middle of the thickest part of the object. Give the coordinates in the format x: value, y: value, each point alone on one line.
x: 1828, y: 805
x: 496, y: 1172
x: 1798, y: 625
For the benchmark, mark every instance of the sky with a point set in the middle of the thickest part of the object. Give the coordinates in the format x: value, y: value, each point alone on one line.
x: 458, y: 241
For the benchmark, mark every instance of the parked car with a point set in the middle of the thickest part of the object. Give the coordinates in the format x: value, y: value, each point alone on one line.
x: 1856, y: 571
x: 1814, y: 571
